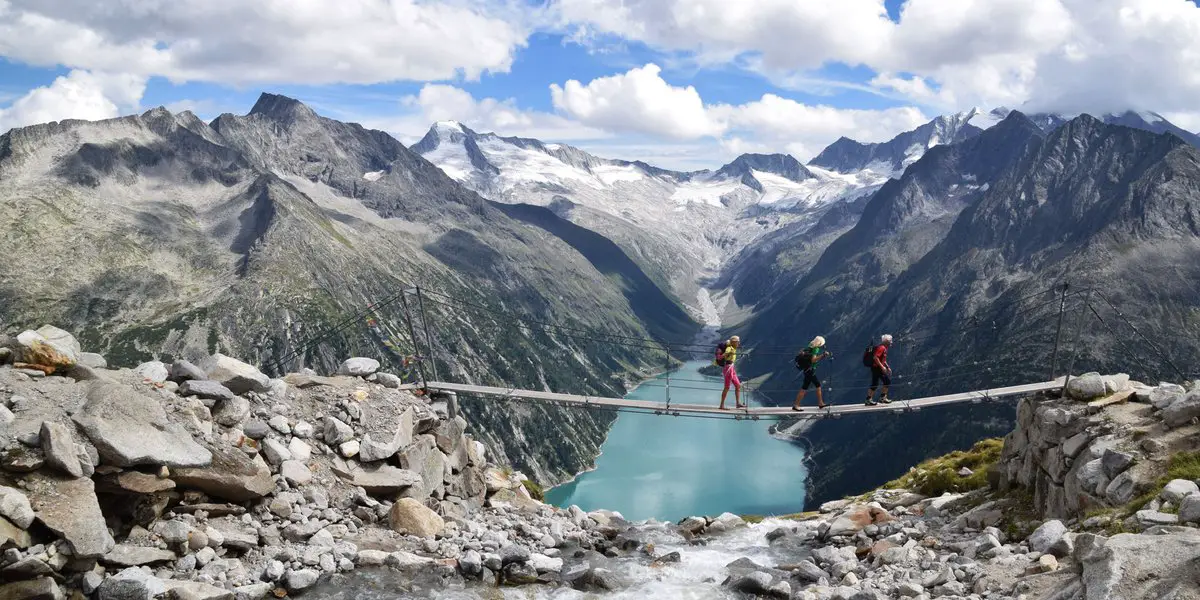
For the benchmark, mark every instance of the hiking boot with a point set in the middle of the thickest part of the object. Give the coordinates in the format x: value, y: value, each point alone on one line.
x: 871, y: 402
x: 885, y: 400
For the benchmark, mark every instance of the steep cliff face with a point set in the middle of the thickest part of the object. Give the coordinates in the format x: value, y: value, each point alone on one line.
x: 266, y: 235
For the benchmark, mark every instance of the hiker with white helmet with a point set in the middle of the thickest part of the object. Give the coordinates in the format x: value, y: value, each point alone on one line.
x: 876, y: 358
x: 726, y: 356
x: 807, y: 361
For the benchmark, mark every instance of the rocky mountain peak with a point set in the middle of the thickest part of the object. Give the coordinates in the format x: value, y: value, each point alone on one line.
x: 281, y: 108
x: 784, y: 165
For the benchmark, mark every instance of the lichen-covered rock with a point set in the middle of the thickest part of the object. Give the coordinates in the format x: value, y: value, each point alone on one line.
x: 49, y: 347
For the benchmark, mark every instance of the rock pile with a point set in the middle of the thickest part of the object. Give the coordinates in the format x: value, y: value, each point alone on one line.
x: 215, y: 481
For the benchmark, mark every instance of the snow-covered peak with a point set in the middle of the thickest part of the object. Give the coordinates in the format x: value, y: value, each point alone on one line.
x: 448, y: 126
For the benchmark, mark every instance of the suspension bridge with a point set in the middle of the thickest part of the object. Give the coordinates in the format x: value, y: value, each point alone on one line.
x: 417, y: 326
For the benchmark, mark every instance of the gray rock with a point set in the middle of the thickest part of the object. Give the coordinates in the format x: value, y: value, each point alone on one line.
x: 299, y: 449
x: 1046, y: 535
x: 275, y: 451
x: 280, y: 423
x: 302, y: 579
x: 1150, y: 518
x: 182, y: 370
x: 1177, y: 489
x: 358, y: 367
x: 758, y: 583
x: 43, y: 588
x: 1121, y: 490
x: 93, y: 360
x: 231, y: 475
x: 174, y: 532
x: 1183, y: 411
x: 1087, y: 387
x: 130, y: 429
x: 1116, y: 383
x: 423, y: 457
x: 1076, y: 443
x: 388, y: 380
x: 1143, y: 567
x: 14, y: 506
x: 131, y: 584
x: 909, y: 589
x: 471, y: 563
x: 513, y: 553
x: 1115, y: 462
x: 234, y: 533
x: 153, y: 371
x: 90, y: 582
x: 234, y: 374
x: 295, y: 472
x: 254, y: 591
x: 303, y: 429
x: 337, y: 432
x: 208, y: 390
x: 124, y: 555
x: 256, y: 429
x: 808, y: 572
x: 69, y: 508
x: 1189, y: 508
x: 1165, y: 395
x: 1064, y: 547
x: 59, y: 447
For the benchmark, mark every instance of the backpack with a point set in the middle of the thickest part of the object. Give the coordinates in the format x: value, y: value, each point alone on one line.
x: 869, y: 356
x: 804, y: 359
x: 720, y: 357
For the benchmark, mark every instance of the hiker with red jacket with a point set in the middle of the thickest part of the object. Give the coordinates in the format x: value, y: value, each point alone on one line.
x: 876, y: 358
x: 726, y: 356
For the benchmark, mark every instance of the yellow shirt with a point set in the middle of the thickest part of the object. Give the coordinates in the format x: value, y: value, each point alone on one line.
x: 730, y: 354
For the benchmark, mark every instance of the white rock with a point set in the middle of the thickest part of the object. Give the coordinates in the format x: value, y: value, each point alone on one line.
x: 302, y: 579
x: 359, y: 367
x: 371, y: 558
x: 299, y: 449
x: 303, y: 429
x: 153, y: 371
x: 545, y: 564
x: 14, y: 506
x: 349, y: 449
x: 1045, y: 536
x: 295, y: 472
x: 234, y: 374
x: 1177, y: 489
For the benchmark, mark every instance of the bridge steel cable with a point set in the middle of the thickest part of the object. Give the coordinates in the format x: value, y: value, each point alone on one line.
x: 1148, y: 341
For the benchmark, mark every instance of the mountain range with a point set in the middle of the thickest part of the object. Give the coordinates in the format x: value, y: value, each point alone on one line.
x: 162, y: 236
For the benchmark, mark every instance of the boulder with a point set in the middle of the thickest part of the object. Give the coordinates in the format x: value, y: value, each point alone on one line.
x: 182, y: 370
x: 153, y: 371
x: 1116, y: 383
x: 1046, y: 535
x: 378, y: 479
x: 14, y: 506
x: 59, y: 447
x: 1165, y: 395
x: 299, y: 449
x: 358, y: 367
x: 855, y: 520
x: 130, y: 429
x: 123, y: 555
x: 275, y: 451
x: 207, y: 390
x: 337, y: 432
x: 388, y: 380
x: 11, y: 535
x: 1182, y: 411
x: 131, y: 584
x: 48, y: 347
x: 93, y: 360
x: 231, y: 475
x: 422, y: 456
x: 726, y: 522
x: 388, y: 432
x: 1087, y: 387
x: 1115, y: 462
x: 412, y: 517
x: 195, y: 590
x: 295, y: 472
x: 43, y: 588
x: 756, y: 583
x: 1189, y: 508
x: 234, y: 533
x: 1143, y: 567
x: 69, y: 508
x: 1121, y: 490
x: 234, y: 374
x: 1177, y: 489
x: 1150, y: 518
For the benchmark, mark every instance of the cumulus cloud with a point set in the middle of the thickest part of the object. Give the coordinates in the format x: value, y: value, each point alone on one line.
x: 440, y: 102
x: 273, y: 41
x: 638, y: 100
x: 77, y: 95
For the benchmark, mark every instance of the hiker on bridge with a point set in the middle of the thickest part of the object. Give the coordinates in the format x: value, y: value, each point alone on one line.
x: 875, y: 357
x: 725, y: 357
x: 807, y: 361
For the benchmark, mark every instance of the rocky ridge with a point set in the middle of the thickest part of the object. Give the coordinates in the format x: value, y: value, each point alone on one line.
x: 214, y: 481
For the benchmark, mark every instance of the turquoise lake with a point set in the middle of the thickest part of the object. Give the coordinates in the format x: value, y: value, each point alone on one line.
x: 668, y: 468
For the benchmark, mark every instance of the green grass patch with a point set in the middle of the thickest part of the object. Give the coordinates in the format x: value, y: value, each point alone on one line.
x: 535, y: 490
x: 937, y: 476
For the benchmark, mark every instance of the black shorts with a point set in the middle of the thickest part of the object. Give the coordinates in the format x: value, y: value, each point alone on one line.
x: 810, y: 378
x: 878, y: 375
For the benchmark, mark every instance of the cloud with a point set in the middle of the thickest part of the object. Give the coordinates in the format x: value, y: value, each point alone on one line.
x: 440, y: 102
x: 77, y: 95
x: 274, y: 41
x: 638, y: 100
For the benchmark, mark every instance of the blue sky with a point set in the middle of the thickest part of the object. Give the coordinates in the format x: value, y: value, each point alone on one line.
x: 682, y: 83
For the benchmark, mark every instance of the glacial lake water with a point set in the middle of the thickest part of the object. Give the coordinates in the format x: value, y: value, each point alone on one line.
x: 668, y: 468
